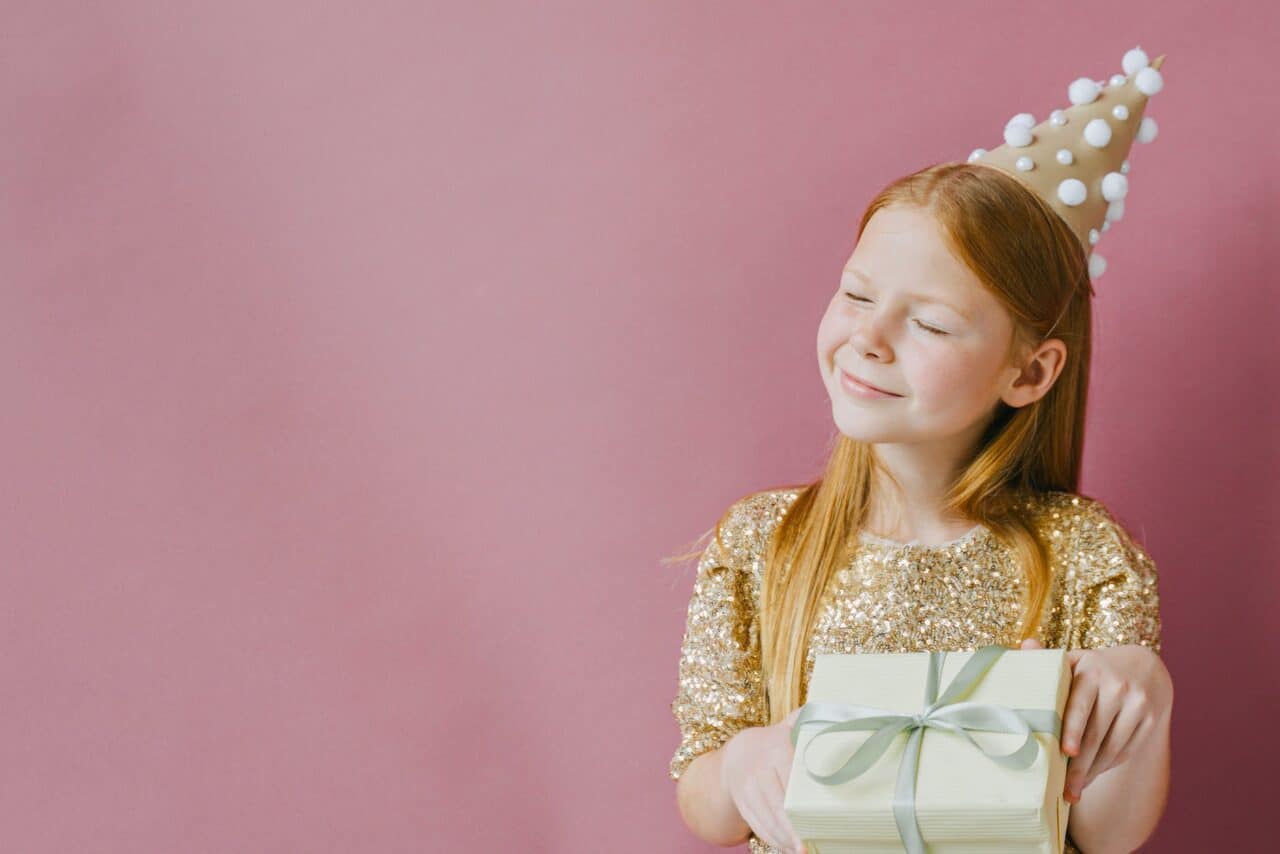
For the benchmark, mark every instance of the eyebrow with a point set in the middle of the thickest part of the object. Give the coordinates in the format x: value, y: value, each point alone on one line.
x: 915, y: 296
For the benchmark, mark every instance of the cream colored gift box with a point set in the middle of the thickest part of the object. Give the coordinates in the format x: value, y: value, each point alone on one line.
x: 965, y: 802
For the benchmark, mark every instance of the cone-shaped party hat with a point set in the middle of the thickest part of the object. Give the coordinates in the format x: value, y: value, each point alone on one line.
x: 1077, y: 159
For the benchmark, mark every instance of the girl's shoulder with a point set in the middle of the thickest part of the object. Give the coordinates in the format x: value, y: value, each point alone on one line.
x: 1075, y: 513
x: 1086, y: 534
x: 743, y: 530
x: 762, y: 510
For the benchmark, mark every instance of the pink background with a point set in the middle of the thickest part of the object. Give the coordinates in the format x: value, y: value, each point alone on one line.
x: 364, y: 359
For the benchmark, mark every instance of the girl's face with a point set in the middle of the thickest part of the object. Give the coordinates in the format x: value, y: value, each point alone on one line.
x: 910, y: 318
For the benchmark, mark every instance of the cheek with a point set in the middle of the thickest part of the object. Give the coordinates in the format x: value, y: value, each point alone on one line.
x: 829, y: 336
x: 953, y: 381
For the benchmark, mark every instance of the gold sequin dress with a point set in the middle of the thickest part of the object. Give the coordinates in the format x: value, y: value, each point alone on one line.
x: 895, y: 597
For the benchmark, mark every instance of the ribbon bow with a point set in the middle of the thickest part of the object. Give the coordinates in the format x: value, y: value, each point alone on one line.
x: 945, y: 712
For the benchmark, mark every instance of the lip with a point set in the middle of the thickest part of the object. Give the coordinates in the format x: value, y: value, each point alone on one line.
x: 863, y: 389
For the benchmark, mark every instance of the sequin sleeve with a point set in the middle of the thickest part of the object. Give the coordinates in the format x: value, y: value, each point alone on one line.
x: 720, y: 690
x: 1117, y: 598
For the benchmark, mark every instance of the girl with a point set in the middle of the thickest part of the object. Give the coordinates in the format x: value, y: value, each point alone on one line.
x: 955, y: 352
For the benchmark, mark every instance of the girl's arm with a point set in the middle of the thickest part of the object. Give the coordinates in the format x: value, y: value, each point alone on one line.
x: 1120, y: 809
x: 1115, y: 622
x: 720, y: 691
x: 705, y: 806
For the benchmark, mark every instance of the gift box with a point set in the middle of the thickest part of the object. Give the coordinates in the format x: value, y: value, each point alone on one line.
x: 945, y: 752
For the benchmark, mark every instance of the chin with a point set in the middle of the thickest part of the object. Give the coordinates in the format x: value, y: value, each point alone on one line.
x: 861, y: 428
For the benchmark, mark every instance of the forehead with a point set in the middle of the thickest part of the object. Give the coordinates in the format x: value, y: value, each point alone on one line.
x: 904, y: 248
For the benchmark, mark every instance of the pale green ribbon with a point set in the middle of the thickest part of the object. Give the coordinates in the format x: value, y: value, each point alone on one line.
x: 939, y: 712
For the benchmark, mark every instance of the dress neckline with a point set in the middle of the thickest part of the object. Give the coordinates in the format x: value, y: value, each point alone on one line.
x: 972, y: 534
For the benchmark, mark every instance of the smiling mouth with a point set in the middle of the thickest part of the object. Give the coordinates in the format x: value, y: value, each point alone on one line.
x: 861, y: 389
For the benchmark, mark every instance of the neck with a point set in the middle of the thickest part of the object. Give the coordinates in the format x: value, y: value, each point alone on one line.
x: 908, y: 496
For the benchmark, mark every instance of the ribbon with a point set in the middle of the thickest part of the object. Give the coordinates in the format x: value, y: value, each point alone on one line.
x: 946, y: 712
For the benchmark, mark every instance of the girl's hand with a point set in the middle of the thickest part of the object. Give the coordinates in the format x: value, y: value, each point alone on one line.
x: 1118, y: 696
x: 754, y: 773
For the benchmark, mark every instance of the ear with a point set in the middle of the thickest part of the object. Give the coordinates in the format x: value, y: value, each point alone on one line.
x: 1037, y: 374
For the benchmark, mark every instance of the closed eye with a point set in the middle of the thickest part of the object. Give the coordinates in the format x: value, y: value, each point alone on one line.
x: 926, y: 327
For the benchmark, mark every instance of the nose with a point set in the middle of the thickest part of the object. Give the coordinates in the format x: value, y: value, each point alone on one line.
x: 868, y: 337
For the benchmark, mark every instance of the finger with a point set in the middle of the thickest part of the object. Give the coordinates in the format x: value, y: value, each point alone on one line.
x: 1105, y: 709
x: 1124, y: 737
x: 1075, y: 717
x: 1075, y: 722
x: 1031, y: 643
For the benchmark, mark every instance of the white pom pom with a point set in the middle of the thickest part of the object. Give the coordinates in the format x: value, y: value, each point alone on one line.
x: 1097, y: 265
x: 1115, y: 211
x: 1114, y: 186
x: 1093, y: 236
x: 977, y: 152
x: 1117, y: 79
x: 1106, y: 223
x: 1057, y: 118
x: 1025, y: 164
x: 1083, y: 91
x: 1124, y: 168
x: 1147, y: 130
x: 1148, y: 81
x: 1134, y: 60
x: 1065, y: 157
x: 1097, y: 133
x: 1018, y: 136
x: 1072, y: 192
x: 1022, y: 119
x: 1120, y: 111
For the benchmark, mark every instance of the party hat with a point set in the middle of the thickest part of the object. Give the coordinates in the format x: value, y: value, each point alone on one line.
x: 1077, y: 159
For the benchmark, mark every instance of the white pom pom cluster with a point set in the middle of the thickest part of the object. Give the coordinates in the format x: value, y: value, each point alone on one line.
x: 1114, y: 186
